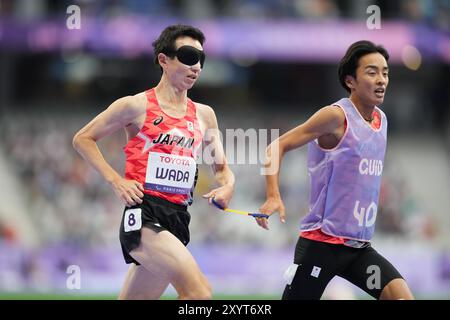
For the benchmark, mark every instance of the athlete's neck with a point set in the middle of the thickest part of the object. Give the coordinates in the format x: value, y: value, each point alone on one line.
x: 171, y: 97
x: 364, y: 109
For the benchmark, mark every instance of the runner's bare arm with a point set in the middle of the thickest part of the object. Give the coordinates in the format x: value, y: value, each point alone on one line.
x: 118, y: 115
x: 328, y: 120
x: 223, y: 174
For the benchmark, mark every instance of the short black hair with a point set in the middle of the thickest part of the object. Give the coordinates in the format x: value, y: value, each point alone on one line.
x: 349, y: 63
x: 166, y: 41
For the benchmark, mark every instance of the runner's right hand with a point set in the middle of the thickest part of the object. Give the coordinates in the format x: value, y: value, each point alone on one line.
x: 130, y: 192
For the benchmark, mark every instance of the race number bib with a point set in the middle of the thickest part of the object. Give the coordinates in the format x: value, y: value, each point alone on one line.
x: 170, y: 173
x: 132, y: 219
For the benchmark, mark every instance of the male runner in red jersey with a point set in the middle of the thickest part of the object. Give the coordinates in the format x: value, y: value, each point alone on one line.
x: 346, y: 146
x: 165, y: 131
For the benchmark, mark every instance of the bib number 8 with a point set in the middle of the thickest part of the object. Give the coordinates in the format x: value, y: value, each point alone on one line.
x: 132, y: 219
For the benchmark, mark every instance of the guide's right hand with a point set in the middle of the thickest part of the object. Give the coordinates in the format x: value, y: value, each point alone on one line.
x: 130, y: 192
x: 269, y: 207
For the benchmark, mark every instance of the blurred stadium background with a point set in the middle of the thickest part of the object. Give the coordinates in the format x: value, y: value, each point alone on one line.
x: 270, y: 64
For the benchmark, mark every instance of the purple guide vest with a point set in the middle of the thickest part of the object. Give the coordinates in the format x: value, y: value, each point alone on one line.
x: 345, y: 180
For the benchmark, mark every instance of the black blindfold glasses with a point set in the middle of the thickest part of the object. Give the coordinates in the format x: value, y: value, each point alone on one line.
x: 188, y: 55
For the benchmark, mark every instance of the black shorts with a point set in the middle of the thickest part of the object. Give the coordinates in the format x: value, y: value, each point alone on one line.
x: 318, y: 262
x: 156, y: 214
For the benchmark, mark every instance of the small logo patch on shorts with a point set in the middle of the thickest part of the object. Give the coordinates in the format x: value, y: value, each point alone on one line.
x: 315, y: 271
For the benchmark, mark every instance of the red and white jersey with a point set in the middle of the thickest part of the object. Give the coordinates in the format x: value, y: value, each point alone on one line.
x: 162, y: 156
